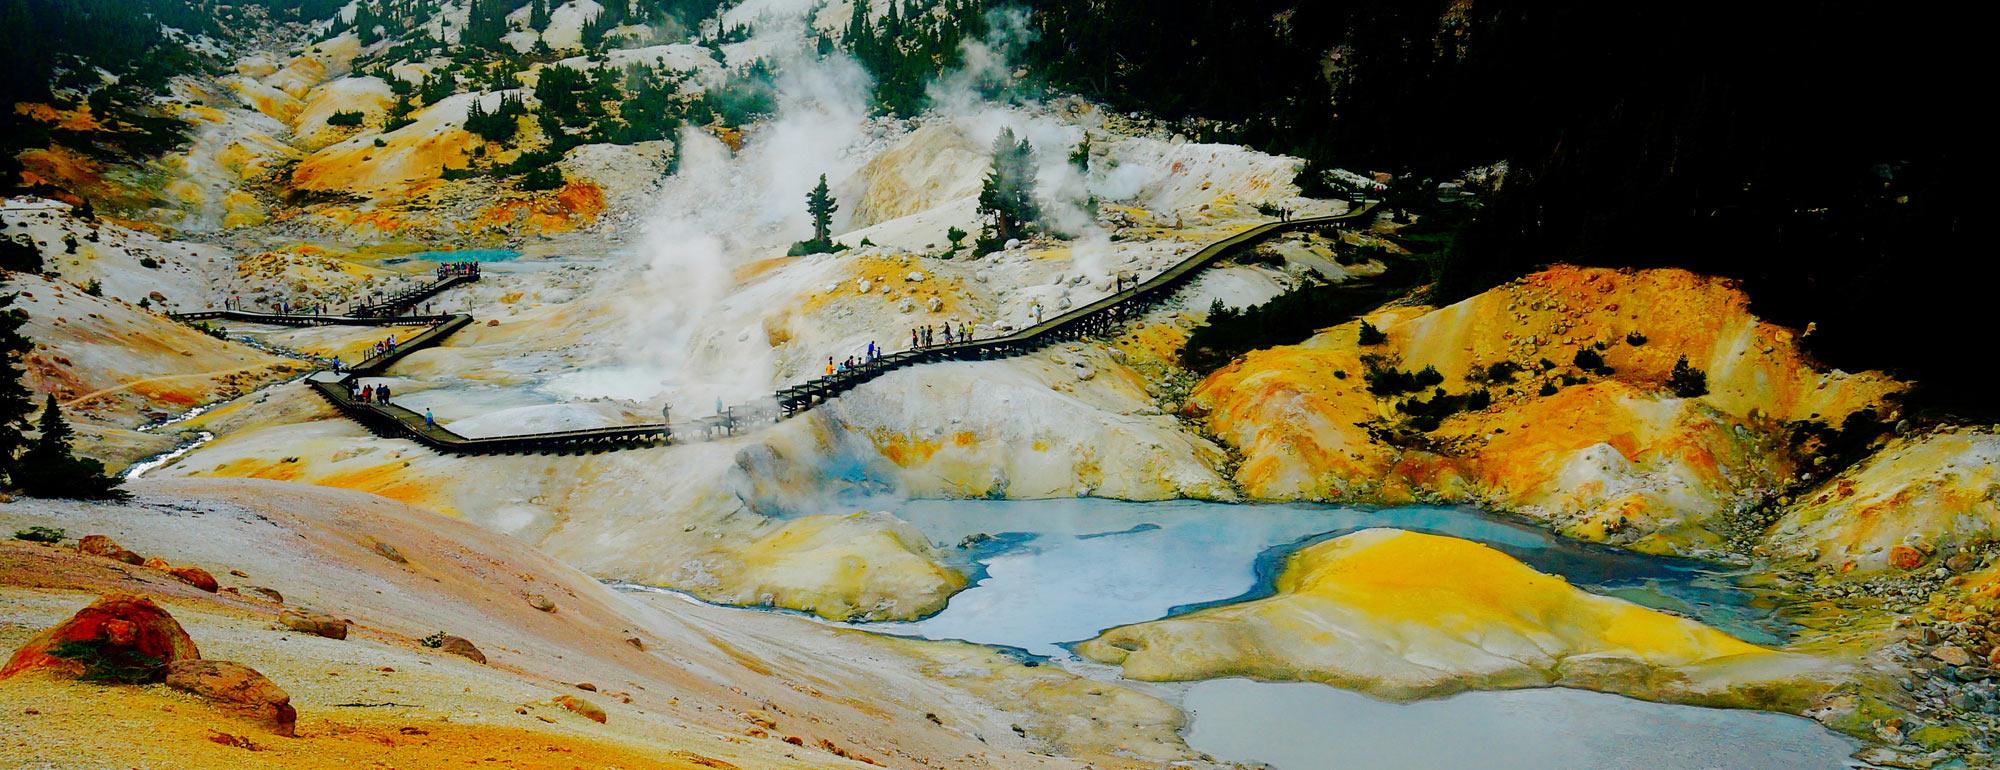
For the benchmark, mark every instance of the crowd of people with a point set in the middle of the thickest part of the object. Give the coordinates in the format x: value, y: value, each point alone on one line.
x: 384, y: 345
x: 452, y: 269
x: 368, y: 394
x: 927, y: 335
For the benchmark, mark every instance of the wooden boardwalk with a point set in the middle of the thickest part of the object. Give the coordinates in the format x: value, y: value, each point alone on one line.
x: 388, y: 420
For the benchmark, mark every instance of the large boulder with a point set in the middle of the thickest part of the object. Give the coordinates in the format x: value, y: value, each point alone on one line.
x: 237, y: 687
x: 119, y: 637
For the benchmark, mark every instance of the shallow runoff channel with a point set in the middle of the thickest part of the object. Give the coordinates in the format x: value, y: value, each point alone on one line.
x: 1050, y: 573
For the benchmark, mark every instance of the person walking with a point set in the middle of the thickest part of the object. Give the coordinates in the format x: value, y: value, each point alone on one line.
x: 913, y: 338
x: 429, y: 420
x: 829, y: 368
x: 367, y: 393
x: 382, y: 393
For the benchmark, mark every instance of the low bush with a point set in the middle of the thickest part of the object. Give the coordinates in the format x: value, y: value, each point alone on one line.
x: 49, y: 535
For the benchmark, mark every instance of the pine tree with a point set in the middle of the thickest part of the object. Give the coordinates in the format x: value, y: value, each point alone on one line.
x: 51, y: 469
x: 19, y: 254
x: 538, y: 15
x: 1007, y: 199
x: 16, y: 402
x: 1686, y: 381
x: 821, y: 205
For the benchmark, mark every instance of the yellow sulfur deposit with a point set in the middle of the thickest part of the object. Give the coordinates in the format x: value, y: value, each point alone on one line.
x: 1407, y: 615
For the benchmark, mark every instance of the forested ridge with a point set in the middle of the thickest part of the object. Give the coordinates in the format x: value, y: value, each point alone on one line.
x: 1814, y: 150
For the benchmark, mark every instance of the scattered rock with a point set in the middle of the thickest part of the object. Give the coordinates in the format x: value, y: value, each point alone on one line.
x: 238, y: 687
x: 460, y: 646
x: 915, y: 276
x: 586, y: 686
x: 541, y: 602
x: 636, y: 643
x: 268, y: 593
x: 389, y: 552
x: 118, y: 628
x: 234, y: 741
x: 589, y: 710
x: 316, y: 623
x: 1952, y: 655
x: 194, y: 576
x: 1905, y: 558
x: 101, y: 545
x: 239, y: 573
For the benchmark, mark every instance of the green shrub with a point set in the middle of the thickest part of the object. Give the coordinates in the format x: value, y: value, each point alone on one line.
x: 1589, y: 360
x: 149, y: 263
x: 95, y: 288
x: 1548, y: 389
x: 434, y: 641
x: 1635, y: 339
x: 349, y: 118
x: 1391, y: 381
x: 49, y: 535
x: 122, y: 665
x: 1427, y: 414
x: 544, y: 178
x: 1687, y: 381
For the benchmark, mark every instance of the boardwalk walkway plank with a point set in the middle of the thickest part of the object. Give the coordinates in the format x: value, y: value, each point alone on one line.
x: 391, y: 421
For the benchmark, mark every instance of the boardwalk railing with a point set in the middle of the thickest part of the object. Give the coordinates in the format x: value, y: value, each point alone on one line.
x: 1095, y: 318
x: 393, y: 421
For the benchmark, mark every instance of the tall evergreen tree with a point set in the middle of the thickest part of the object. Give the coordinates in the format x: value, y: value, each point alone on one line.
x: 538, y: 15
x: 16, y: 402
x: 821, y: 205
x: 1007, y: 199
x: 50, y: 467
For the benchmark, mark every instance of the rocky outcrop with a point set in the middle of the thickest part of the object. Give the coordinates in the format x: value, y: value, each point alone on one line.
x: 1406, y: 615
x: 1917, y: 501
x: 1583, y: 428
x: 860, y: 566
x: 122, y: 637
x: 236, y: 687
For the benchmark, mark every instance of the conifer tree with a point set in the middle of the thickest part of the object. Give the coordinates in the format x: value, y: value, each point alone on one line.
x: 16, y: 402
x: 1007, y: 199
x: 821, y: 205
x: 538, y: 15
x: 51, y: 469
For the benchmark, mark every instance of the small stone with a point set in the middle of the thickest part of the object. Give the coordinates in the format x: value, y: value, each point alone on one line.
x: 460, y: 646
x: 541, y: 602
x: 315, y: 623
x: 268, y: 593
x: 1952, y: 655
x: 915, y: 276
x: 590, y: 711
x: 389, y: 552
x: 586, y: 686
x: 194, y: 576
x: 636, y: 643
x: 239, y: 573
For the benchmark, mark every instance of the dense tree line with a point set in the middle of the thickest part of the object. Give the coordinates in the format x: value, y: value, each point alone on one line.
x: 909, y: 46
x: 1811, y: 149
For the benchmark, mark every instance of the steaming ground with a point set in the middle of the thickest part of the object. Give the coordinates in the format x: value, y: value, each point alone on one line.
x: 696, y: 304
